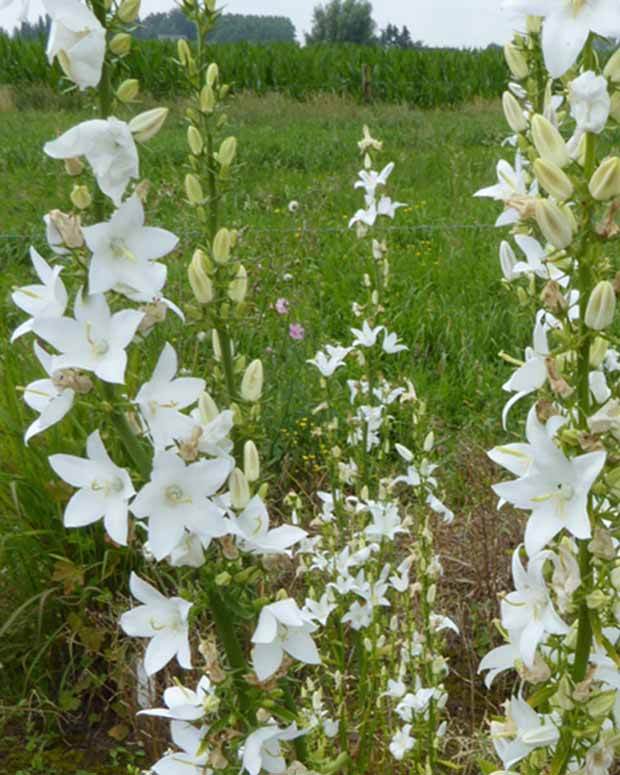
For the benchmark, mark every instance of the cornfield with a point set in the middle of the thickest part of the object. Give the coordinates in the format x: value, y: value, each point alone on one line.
x: 425, y: 78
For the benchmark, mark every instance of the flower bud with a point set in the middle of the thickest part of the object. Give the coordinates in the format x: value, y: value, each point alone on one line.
x: 602, y: 704
x: 217, y: 347
x: 183, y: 52
x: 533, y: 24
x: 81, y: 198
x: 516, y: 61
x: 554, y: 224
x: 612, y: 68
x: 238, y: 288
x: 199, y: 279
x: 222, y: 245
x: 553, y: 180
x: 514, y: 113
x: 251, y: 461
x: 507, y: 260
x: 120, y: 45
x: 193, y: 189
x: 74, y: 167
x: 128, y: 90
x: 605, y: 183
x: 207, y: 99
x: 614, y: 110
x: 228, y: 151
x: 615, y: 578
x: 252, y: 382
x: 239, y: 489
x: 146, y: 125
x: 601, y: 307
x: 549, y: 142
x: 194, y: 140
x: 207, y: 407
x: 128, y: 11
x: 213, y: 73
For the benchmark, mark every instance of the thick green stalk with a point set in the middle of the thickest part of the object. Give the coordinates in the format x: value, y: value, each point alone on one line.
x: 134, y: 449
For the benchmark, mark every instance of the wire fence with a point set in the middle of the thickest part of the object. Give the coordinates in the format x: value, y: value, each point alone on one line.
x: 304, y: 229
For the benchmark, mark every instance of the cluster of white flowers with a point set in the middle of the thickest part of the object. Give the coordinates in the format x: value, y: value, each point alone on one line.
x: 371, y: 566
x: 180, y: 494
x: 560, y: 621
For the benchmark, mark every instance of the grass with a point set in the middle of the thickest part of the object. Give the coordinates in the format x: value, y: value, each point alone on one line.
x: 447, y: 303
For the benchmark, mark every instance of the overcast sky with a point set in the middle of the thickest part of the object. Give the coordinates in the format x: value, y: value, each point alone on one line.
x: 436, y: 22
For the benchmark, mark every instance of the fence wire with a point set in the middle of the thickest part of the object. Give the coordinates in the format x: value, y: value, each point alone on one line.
x: 303, y: 229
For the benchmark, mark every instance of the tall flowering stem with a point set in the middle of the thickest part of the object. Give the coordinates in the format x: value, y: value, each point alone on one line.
x: 560, y: 201
x: 371, y: 566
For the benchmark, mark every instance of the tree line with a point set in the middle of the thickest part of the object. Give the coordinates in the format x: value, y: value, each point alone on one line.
x: 336, y: 21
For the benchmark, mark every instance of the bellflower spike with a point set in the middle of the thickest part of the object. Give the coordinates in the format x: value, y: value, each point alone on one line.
x: 282, y: 628
x: 109, y: 147
x: 77, y: 39
x: 261, y: 750
x: 47, y: 300
x: 192, y: 759
x: 177, y: 498
x: 124, y: 251
x: 48, y: 397
x: 163, y: 620
x: 95, y: 340
x: 163, y: 396
x: 104, y: 489
x: 567, y: 25
x: 529, y: 609
x: 369, y: 180
x: 555, y: 489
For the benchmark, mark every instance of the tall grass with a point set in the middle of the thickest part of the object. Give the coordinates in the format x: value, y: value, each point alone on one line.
x: 424, y: 78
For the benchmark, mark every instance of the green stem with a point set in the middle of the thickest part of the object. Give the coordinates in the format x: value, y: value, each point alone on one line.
x: 105, y: 99
x: 232, y: 647
x: 134, y: 449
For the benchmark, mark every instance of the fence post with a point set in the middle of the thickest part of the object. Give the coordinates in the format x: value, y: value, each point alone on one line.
x: 367, y: 82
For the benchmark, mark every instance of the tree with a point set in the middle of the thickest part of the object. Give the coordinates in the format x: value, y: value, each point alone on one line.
x: 343, y: 21
x: 229, y: 28
x: 390, y: 37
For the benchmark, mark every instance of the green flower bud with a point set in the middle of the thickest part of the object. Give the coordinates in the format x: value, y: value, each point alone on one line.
x: 602, y: 704
x: 605, y: 183
x: 223, y: 579
x: 81, y: 198
x: 554, y: 223
x: 193, y: 189
x: 199, y: 279
x: 146, y: 125
x: 183, y: 52
x: 516, y: 61
x: 598, y: 351
x: 207, y: 99
x: 239, y: 489
x: 238, y: 288
x: 614, y: 110
x: 213, y: 74
x: 549, y: 142
x: 120, y: 45
x: 601, y: 307
x: 222, y: 245
x: 128, y: 11
x: 228, y: 151
x: 194, y: 140
x: 128, y: 90
x: 612, y: 68
x: 207, y: 407
x: 252, y: 382
x: 514, y: 113
x: 217, y: 347
x: 251, y: 461
x: 553, y: 180
x: 615, y: 575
